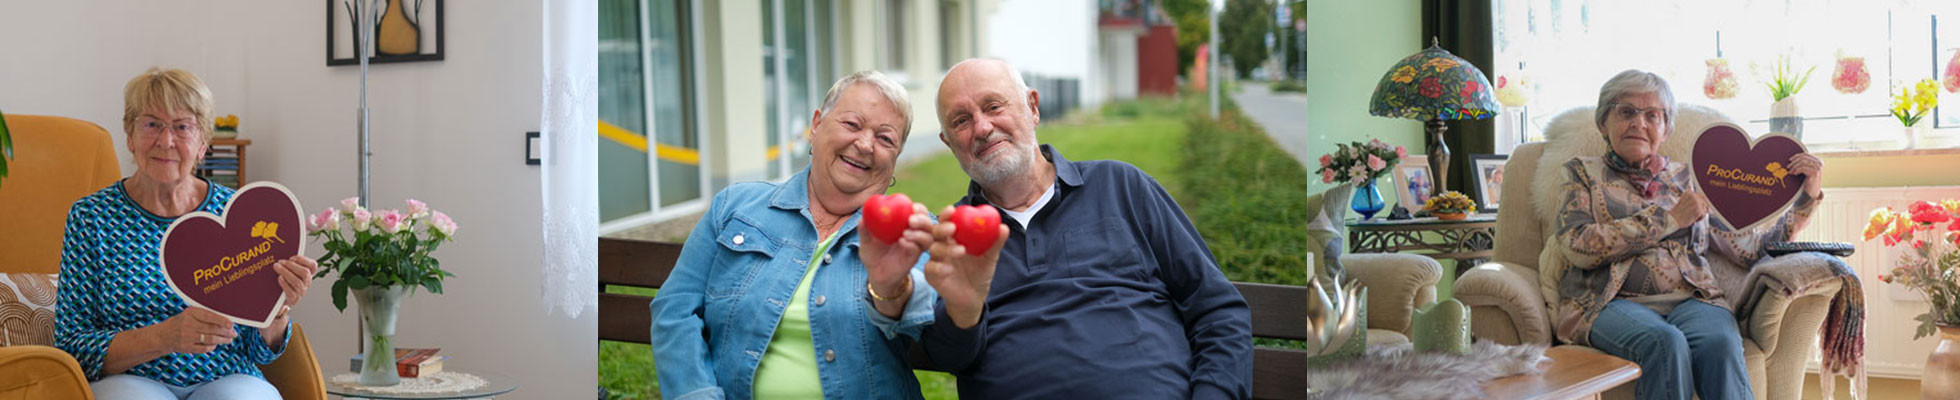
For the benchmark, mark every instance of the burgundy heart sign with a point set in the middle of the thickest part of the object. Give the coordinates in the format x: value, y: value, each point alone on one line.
x: 1747, y: 182
x: 224, y: 262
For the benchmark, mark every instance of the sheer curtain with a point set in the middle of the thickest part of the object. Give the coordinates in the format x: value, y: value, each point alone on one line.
x: 570, y: 184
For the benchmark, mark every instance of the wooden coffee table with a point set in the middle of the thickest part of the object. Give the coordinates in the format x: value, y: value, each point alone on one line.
x: 1574, y: 373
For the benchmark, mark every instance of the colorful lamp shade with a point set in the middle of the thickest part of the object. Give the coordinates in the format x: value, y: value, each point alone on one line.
x: 1433, y: 85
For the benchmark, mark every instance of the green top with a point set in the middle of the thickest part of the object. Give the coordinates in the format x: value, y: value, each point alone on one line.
x: 789, y: 367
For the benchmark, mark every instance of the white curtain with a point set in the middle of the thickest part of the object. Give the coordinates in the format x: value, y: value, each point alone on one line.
x: 570, y: 135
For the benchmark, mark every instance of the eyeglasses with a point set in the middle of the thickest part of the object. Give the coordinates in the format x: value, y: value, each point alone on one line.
x: 1628, y: 113
x: 184, y: 131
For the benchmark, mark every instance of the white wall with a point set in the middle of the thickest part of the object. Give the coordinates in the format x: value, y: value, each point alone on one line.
x: 448, y: 133
x: 1047, y: 37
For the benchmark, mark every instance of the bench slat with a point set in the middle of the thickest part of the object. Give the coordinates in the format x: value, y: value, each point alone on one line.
x: 625, y: 318
x: 639, y: 263
x: 1278, y: 311
x: 1279, y: 373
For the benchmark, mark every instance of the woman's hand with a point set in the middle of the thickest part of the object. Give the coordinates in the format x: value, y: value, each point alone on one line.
x: 295, y: 276
x: 1813, y: 171
x: 1692, y: 207
x: 194, y: 331
x: 888, y: 266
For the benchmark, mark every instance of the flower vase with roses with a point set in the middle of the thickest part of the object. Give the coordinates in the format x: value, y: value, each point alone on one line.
x: 379, y: 256
x: 1360, y: 164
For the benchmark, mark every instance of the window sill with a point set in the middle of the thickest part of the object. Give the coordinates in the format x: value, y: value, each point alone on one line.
x: 1853, y: 153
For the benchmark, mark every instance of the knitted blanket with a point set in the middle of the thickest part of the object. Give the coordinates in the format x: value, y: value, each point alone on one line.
x: 1842, y: 337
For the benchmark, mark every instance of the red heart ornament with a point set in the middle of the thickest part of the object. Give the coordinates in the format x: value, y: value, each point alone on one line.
x: 224, y: 262
x: 1746, y: 181
x: 976, y: 227
x: 886, y: 216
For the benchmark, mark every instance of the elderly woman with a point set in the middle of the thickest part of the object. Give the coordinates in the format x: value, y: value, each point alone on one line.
x: 776, y: 296
x: 1639, y: 249
x: 134, y: 337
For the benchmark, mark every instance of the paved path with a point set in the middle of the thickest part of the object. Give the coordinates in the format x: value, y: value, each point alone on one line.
x: 1284, y: 115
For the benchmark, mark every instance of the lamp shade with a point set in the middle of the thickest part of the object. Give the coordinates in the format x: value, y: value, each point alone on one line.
x: 1433, y: 85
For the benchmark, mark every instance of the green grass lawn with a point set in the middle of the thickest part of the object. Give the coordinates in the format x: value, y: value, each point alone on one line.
x: 1146, y: 133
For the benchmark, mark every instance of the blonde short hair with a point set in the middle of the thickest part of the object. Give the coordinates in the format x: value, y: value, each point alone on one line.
x: 167, y: 89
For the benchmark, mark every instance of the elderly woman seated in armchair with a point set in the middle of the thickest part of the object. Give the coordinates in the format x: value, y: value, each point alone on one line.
x: 1638, y: 243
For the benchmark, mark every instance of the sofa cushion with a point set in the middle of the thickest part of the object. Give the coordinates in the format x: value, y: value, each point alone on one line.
x: 27, y: 302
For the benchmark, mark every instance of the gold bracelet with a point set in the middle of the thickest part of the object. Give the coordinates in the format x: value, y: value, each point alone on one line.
x: 874, y: 292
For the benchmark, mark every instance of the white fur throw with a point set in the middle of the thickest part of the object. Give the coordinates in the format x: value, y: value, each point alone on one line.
x: 1398, y: 372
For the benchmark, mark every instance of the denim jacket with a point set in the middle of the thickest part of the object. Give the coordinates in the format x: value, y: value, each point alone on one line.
x: 715, y: 315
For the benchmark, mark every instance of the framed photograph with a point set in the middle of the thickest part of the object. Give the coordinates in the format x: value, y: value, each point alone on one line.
x: 1488, y: 181
x: 1412, y: 182
x: 406, y: 31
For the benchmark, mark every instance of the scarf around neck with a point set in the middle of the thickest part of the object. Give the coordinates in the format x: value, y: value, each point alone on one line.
x: 1644, y: 176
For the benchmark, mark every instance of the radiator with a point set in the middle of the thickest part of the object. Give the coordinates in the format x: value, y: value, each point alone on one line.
x: 1889, y: 349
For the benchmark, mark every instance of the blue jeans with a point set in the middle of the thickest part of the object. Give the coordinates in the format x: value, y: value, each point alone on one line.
x: 1696, y: 346
x: 234, y: 386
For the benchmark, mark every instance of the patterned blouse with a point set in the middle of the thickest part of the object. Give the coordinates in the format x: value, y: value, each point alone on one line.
x: 112, y: 281
x: 1613, y: 243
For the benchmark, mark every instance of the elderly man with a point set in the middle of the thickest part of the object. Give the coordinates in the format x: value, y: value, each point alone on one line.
x: 1101, y: 290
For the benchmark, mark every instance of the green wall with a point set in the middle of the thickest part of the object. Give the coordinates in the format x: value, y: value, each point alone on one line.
x: 1350, y: 44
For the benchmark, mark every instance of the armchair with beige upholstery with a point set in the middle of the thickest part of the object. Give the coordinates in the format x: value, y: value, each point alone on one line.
x: 1398, y: 284
x: 57, y: 161
x: 1510, y: 298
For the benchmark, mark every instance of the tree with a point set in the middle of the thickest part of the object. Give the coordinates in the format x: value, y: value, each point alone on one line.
x: 1193, y: 20
x: 1244, y: 40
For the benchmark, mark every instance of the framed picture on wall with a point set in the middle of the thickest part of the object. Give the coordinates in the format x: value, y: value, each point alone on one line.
x: 407, y: 30
x: 1488, y: 179
x: 1412, y: 182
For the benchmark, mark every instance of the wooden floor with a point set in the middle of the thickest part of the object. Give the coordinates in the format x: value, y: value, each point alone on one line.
x: 1881, y: 388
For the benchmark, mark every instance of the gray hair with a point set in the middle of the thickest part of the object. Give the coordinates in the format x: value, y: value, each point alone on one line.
x: 892, y: 91
x: 1630, y: 82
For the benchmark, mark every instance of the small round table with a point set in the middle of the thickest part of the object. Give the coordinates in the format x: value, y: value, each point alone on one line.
x: 1468, y: 241
x: 494, y: 384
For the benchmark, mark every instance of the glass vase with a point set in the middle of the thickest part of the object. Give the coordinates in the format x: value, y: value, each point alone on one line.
x: 378, y: 307
x: 1367, y: 200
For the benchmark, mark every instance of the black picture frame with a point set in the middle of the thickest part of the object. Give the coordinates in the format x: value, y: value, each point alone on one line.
x: 335, y: 11
x: 1482, y: 167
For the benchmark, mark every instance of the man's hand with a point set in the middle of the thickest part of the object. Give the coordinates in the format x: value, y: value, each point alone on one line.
x: 888, y: 266
x: 962, y: 279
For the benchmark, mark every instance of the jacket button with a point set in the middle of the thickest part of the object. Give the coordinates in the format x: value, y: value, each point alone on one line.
x: 829, y: 356
x: 820, y: 300
x: 826, y: 259
x: 739, y: 239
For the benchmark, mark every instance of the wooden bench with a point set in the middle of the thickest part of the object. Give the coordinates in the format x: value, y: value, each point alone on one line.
x: 1276, y: 313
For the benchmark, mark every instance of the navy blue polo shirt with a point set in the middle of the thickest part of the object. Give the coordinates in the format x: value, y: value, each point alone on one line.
x: 1111, y: 295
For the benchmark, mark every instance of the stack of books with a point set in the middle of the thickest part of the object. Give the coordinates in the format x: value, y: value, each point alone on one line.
x: 409, y: 363
x: 220, y: 166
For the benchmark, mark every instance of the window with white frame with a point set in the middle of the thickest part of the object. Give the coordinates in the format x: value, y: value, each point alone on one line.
x: 893, y: 50
x: 1563, y: 50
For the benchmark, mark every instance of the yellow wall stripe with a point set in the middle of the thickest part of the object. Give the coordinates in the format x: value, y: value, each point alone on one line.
x: 638, y: 142
x: 674, y: 154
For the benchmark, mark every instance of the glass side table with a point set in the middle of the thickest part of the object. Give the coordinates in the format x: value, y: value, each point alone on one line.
x: 494, y: 385
x: 1468, y: 241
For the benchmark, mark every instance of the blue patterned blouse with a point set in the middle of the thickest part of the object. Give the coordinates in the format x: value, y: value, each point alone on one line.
x: 112, y: 281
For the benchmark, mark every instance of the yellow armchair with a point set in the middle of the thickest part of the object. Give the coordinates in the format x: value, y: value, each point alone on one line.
x: 56, y: 161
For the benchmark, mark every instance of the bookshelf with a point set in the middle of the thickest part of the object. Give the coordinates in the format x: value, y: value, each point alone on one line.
x: 224, y: 162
